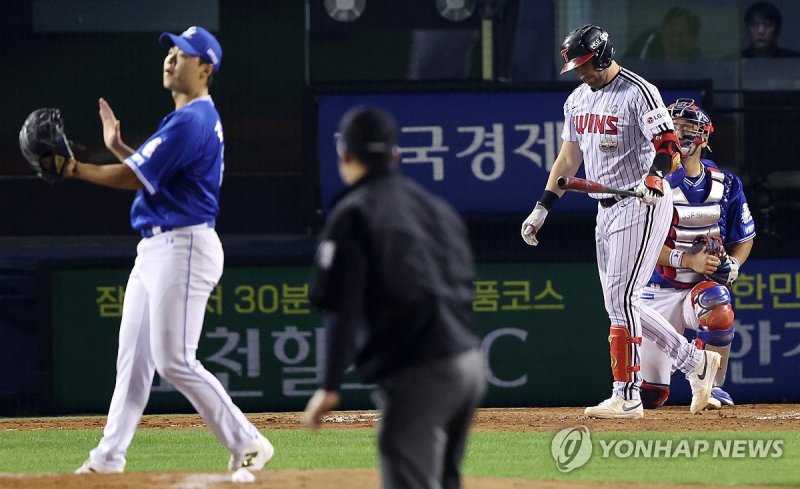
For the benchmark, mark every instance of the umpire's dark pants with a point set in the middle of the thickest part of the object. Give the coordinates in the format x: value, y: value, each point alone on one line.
x: 426, y: 412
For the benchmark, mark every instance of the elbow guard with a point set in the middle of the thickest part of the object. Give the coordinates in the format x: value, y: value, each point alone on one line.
x: 668, y: 153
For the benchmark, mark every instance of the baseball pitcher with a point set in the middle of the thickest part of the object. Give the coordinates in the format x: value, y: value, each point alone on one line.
x: 177, y: 175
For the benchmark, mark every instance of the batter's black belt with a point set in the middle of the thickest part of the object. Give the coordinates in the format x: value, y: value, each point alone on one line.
x: 611, y: 201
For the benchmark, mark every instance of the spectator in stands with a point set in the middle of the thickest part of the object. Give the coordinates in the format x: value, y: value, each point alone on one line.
x: 676, y: 39
x: 763, y: 22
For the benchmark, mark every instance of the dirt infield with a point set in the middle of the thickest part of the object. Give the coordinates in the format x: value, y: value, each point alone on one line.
x: 288, y: 479
x: 754, y: 417
x: 762, y: 417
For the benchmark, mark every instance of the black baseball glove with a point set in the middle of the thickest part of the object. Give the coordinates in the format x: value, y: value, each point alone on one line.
x: 44, y: 144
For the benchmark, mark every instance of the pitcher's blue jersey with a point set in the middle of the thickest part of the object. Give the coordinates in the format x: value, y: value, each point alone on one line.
x: 181, y: 169
x: 735, y: 223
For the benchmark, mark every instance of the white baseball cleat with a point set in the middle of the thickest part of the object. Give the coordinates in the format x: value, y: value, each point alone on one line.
x: 243, y: 476
x: 94, y: 467
x: 616, y: 408
x: 713, y: 404
x: 255, y: 455
x: 701, y: 380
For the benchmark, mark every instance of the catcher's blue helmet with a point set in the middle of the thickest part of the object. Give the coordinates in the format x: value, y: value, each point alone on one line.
x: 589, y: 42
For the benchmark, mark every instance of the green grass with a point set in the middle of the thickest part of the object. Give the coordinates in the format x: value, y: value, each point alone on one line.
x: 494, y: 454
x: 184, y: 450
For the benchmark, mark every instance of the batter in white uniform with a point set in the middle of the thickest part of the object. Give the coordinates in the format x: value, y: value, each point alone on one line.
x: 617, y: 124
x: 177, y: 173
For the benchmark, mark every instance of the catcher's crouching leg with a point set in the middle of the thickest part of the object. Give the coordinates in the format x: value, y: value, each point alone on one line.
x: 712, y: 304
x: 654, y: 395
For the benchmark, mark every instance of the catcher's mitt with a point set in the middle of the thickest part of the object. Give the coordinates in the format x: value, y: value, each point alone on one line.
x: 44, y: 144
x: 728, y: 270
x: 712, y: 245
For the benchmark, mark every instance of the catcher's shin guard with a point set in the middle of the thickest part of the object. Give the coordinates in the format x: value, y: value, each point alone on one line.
x: 725, y: 353
x: 620, y: 345
x: 654, y: 395
x: 712, y: 304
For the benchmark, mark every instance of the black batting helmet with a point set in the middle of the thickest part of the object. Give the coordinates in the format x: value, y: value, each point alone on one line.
x: 585, y: 43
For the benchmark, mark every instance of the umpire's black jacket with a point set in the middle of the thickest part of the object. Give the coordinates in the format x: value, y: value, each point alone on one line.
x: 394, y: 278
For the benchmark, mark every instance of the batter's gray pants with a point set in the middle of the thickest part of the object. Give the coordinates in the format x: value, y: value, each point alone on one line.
x: 426, y: 412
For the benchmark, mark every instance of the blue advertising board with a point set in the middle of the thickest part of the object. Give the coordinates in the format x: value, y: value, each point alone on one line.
x: 484, y: 152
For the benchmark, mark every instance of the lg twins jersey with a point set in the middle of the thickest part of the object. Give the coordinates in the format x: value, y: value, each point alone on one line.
x: 614, y: 126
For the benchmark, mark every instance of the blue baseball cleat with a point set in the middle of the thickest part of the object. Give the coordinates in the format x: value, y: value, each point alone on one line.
x: 722, y: 396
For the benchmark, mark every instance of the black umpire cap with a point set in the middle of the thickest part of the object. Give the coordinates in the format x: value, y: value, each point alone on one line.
x: 369, y: 133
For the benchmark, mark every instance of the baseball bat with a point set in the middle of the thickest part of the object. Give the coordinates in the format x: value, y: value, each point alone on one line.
x: 587, y: 186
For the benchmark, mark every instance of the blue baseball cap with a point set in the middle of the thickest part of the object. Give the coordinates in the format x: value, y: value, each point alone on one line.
x: 196, y: 41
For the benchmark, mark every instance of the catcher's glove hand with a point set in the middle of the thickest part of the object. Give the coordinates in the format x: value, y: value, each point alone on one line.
x: 728, y: 270
x: 44, y: 144
x: 710, y: 244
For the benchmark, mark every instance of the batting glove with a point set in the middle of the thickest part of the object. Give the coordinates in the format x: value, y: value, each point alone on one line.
x: 727, y: 272
x: 650, y: 189
x: 533, y: 224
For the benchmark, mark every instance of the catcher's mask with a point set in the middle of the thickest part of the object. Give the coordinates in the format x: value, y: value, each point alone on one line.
x: 696, y: 127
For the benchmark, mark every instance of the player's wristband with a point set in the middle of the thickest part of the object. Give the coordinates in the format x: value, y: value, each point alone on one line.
x: 675, y: 258
x: 548, y: 199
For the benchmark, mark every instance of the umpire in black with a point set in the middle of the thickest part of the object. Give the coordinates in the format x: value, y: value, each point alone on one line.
x: 394, y: 276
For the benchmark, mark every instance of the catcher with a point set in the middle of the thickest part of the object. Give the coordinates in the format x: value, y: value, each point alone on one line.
x: 710, y: 238
x: 44, y: 144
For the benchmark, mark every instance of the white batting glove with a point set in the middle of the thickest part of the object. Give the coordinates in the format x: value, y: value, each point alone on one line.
x: 727, y: 272
x: 533, y: 224
x: 650, y: 189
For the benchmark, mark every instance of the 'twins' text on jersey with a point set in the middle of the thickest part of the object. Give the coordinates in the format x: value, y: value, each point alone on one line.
x: 595, y: 123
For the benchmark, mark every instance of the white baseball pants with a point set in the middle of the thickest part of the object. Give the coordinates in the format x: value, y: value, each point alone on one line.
x: 676, y: 307
x: 628, y: 239
x: 162, y: 319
